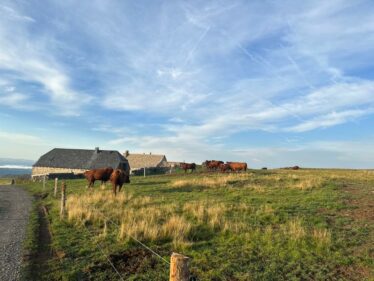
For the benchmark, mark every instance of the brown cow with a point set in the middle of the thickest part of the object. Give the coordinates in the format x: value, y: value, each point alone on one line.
x: 237, y: 166
x: 118, y: 178
x: 188, y: 166
x: 224, y: 167
x: 102, y: 174
x: 212, y: 164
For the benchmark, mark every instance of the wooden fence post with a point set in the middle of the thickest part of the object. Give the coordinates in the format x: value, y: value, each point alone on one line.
x: 44, y: 182
x: 144, y: 171
x: 56, y: 184
x: 63, y: 199
x: 179, y: 268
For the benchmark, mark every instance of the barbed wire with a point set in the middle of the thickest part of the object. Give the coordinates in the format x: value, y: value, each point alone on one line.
x: 113, y: 222
x: 98, y: 246
x: 135, y: 239
x: 48, y: 184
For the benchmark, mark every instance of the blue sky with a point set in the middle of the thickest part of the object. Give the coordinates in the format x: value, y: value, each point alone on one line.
x: 272, y: 83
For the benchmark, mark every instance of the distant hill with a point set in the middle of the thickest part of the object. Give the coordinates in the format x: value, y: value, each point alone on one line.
x: 16, y: 162
x: 10, y: 167
x: 4, y: 172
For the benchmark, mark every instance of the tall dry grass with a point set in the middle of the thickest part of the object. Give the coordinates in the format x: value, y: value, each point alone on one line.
x: 294, y: 229
x: 145, y: 218
x: 322, y: 236
x: 219, y: 180
x: 142, y: 218
x: 302, y: 180
x: 308, y: 183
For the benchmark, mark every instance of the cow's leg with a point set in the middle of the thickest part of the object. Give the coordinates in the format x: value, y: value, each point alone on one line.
x: 114, y: 189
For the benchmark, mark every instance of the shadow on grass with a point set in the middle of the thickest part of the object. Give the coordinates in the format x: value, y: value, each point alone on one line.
x: 201, y: 233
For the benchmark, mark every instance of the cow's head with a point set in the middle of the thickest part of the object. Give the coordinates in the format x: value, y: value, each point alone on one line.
x: 127, y: 179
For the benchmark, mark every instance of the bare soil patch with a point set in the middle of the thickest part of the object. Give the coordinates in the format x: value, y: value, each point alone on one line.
x: 127, y: 263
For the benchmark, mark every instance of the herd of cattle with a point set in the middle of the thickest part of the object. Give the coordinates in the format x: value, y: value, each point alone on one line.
x: 119, y: 177
x: 215, y: 165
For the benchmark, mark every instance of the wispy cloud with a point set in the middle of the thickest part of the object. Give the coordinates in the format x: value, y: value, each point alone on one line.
x: 202, y: 71
x: 20, y: 138
x: 331, y: 119
x: 26, y: 58
x: 11, y: 14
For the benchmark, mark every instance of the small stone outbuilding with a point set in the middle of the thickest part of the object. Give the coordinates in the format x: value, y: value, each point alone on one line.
x: 139, y: 161
x: 76, y: 161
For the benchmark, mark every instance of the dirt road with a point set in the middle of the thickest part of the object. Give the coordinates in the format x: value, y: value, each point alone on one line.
x: 15, y: 206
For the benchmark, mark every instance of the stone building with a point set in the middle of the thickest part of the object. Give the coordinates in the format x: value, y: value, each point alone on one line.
x: 76, y: 161
x: 139, y: 161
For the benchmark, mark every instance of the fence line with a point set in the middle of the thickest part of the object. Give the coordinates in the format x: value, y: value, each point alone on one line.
x: 141, y: 243
x: 113, y: 222
x: 179, y: 267
x: 105, y: 255
x: 97, y: 245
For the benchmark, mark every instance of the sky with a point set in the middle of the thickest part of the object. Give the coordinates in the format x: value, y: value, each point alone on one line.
x: 272, y: 83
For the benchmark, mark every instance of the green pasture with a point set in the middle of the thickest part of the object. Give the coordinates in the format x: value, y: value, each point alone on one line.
x: 273, y: 225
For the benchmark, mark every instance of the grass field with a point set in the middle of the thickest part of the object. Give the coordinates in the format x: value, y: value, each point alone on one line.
x: 5, y: 181
x: 259, y: 225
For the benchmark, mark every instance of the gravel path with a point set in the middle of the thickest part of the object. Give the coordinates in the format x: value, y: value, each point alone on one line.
x: 15, y: 205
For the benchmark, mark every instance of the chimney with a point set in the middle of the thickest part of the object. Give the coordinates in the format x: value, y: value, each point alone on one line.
x: 97, y: 150
x: 127, y: 153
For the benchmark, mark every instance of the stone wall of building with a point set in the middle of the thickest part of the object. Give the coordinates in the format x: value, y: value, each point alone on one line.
x: 49, y: 170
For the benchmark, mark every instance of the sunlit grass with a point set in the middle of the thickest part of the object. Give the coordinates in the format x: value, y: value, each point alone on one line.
x: 215, y: 181
x: 5, y: 181
x: 274, y: 217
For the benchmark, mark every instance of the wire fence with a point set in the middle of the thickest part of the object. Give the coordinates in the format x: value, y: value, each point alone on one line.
x: 47, y: 185
x: 51, y: 185
x: 235, y: 216
x: 100, y: 248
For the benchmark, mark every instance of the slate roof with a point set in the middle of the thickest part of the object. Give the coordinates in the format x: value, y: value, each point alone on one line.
x: 80, y: 159
x: 138, y: 160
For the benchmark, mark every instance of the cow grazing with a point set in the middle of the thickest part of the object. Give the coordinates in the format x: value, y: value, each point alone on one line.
x: 212, y: 164
x: 102, y: 175
x: 237, y: 166
x: 188, y: 166
x: 118, y: 178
